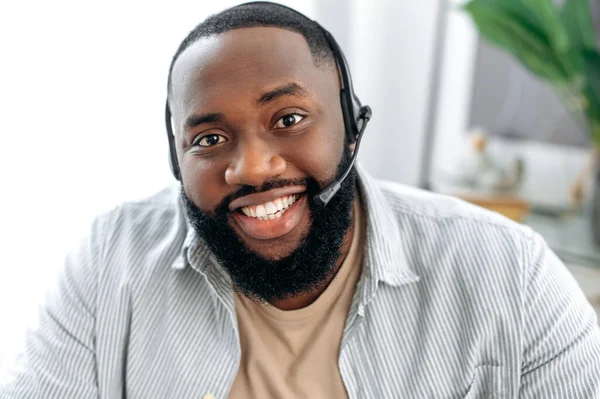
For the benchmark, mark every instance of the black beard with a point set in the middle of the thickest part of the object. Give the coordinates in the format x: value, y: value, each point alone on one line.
x: 306, y: 268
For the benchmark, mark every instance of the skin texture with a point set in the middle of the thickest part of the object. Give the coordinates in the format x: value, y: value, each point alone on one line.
x: 233, y: 75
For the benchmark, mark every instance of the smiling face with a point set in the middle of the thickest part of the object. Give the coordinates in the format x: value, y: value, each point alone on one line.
x: 259, y: 132
x: 250, y: 107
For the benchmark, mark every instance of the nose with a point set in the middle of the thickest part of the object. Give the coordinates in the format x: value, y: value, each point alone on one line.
x: 254, y: 165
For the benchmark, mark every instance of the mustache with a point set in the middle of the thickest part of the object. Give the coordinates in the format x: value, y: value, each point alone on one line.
x: 310, y: 184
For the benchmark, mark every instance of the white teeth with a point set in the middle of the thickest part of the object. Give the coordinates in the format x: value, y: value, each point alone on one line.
x: 279, y: 204
x: 271, y: 208
x: 260, y: 211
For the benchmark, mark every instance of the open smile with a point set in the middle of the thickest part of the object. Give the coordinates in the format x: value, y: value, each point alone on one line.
x: 271, y: 219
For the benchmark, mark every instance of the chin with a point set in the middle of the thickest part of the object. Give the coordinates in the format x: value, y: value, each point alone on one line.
x: 275, y: 252
x: 275, y: 249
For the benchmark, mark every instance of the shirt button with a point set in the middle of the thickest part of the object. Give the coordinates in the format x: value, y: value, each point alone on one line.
x: 208, y: 396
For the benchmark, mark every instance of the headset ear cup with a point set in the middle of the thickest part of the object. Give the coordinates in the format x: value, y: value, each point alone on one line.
x: 356, y: 113
x: 358, y: 121
x: 349, y: 117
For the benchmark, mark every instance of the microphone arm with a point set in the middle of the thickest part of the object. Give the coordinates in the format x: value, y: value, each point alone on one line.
x: 327, y: 194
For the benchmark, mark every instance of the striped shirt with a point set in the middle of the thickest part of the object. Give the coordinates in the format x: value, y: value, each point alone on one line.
x: 453, y: 302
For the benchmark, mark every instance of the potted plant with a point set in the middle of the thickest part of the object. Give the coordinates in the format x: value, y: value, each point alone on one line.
x: 558, y: 44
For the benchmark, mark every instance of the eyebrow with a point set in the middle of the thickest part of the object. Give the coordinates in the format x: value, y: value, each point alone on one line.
x: 289, y: 89
x: 195, y: 120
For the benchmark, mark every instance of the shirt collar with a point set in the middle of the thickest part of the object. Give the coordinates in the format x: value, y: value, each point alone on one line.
x: 192, y: 247
x: 191, y: 242
x: 385, y: 258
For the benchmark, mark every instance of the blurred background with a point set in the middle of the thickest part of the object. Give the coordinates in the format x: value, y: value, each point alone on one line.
x: 83, y: 87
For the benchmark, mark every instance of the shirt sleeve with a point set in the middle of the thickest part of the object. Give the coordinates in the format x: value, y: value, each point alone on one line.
x: 561, y: 353
x: 58, y: 360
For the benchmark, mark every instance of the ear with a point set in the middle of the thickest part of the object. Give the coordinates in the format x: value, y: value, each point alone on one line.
x: 173, y: 162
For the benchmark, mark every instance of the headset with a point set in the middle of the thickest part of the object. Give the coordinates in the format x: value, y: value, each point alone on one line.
x: 356, y: 116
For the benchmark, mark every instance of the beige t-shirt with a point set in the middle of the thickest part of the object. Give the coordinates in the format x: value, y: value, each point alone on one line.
x: 294, y: 354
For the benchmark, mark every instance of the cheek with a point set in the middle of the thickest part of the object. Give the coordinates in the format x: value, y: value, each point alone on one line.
x: 319, y: 155
x: 203, y: 183
x: 323, y: 153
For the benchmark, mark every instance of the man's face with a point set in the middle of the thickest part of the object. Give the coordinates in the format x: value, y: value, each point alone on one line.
x: 259, y: 133
x: 251, y: 108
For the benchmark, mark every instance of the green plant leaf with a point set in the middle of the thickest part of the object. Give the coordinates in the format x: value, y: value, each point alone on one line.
x: 551, y: 21
x: 591, y: 62
x: 577, y: 18
x: 539, y: 14
x: 514, y: 7
x: 508, y: 26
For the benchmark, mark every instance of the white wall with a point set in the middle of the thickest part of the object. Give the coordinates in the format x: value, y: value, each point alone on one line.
x: 391, y: 59
x: 455, y: 86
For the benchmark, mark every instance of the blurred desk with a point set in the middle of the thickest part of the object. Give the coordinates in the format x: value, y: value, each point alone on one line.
x: 569, y: 237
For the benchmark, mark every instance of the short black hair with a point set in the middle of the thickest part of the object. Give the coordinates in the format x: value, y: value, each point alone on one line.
x: 261, y: 14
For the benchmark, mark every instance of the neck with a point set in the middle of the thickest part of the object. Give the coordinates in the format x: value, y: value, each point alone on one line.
x: 305, y: 299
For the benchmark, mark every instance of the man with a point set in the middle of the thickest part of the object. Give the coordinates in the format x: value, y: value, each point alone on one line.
x: 243, y: 282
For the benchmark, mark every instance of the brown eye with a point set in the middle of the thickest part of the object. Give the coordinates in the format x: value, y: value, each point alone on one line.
x: 210, y: 140
x: 288, y: 121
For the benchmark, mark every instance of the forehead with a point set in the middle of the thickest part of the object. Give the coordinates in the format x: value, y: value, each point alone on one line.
x: 243, y: 62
